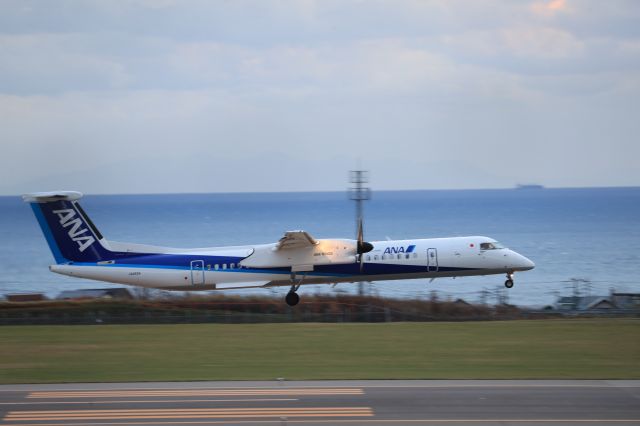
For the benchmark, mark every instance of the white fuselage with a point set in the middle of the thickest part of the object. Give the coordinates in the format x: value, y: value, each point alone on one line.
x: 327, y: 261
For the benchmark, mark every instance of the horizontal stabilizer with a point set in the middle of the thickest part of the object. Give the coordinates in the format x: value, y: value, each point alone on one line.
x: 45, y: 197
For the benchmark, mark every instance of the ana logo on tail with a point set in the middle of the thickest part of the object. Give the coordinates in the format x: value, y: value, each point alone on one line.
x: 66, y: 217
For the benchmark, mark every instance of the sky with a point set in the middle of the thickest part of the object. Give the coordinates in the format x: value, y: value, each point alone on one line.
x: 249, y: 96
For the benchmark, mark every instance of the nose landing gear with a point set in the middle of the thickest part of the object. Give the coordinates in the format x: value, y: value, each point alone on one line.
x: 509, y: 282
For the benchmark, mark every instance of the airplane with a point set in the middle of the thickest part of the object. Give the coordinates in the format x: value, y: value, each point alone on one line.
x: 81, y: 251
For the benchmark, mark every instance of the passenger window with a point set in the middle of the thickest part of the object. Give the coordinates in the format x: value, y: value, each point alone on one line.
x: 233, y: 266
x: 382, y: 257
x: 368, y: 258
x: 407, y: 256
x: 216, y: 266
x: 224, y: 266
x: 375, y: 257
x: 208, y: 267
x: 399, y: 256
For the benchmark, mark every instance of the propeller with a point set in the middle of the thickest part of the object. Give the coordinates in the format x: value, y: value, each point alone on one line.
x: 362, y: 246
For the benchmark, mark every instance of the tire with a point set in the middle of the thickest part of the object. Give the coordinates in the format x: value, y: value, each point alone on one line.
x: 508, y: 283
x: 292, y: 298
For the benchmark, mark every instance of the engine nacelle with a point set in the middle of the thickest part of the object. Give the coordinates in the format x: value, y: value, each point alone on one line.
x: 324, y: 252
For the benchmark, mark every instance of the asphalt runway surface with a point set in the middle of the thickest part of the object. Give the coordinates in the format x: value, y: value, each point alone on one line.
x: 392, y: 402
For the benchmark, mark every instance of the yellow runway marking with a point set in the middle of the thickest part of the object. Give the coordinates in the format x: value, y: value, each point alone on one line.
x: 353, y: 421
x: 193, y: 392
x: 150, y: 401
x: 168, y: 410
x: 193, y: 413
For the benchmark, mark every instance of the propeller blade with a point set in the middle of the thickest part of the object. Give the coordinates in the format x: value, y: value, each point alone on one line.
x: 362, y: 246
x: 360, y: 240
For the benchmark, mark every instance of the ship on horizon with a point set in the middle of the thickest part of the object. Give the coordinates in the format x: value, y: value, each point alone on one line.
x: 529, y: 186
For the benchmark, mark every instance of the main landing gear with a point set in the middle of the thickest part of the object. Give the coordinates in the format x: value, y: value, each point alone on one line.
x: 292, y: 297
x: 509, y: 282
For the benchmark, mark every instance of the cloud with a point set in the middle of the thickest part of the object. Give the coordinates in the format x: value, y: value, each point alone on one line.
x: 182, y: 95
x: 541, y: 43
x: 45, y: 63
x: 549, y: 8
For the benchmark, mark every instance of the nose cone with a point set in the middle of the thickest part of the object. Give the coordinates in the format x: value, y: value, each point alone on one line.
x: 522, y: 263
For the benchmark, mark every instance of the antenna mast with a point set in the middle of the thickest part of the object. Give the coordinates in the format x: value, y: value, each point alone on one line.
x: 359, y: 193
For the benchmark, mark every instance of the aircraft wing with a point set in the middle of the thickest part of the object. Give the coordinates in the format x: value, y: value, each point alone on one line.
x: 295, y: 240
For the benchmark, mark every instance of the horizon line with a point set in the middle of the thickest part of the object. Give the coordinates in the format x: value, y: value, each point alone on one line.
x: 515, y: 188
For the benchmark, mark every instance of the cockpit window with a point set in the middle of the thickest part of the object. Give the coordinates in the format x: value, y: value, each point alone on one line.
x: 491, y: 246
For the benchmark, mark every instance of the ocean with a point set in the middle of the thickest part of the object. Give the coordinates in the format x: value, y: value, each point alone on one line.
x: 585, y: 240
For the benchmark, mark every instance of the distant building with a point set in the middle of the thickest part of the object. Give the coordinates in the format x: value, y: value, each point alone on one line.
x: 25, y: 297
x: 627, y: 301
x: 595, y: 303
x: 618, y: 301
x: 99, y: 293
x: 567, y: 303
x: 584, y: 303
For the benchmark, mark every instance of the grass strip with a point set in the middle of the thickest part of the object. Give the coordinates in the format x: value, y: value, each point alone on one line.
x: 541, y: 349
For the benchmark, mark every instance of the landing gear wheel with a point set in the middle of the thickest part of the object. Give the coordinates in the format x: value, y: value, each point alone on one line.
x: 508, y: 283
x: 292, y: 298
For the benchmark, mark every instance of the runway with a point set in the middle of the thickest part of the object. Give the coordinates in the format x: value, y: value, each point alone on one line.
x: 448, y: 402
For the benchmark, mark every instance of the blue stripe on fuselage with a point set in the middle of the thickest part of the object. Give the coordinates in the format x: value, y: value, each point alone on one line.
x: 183, y: 262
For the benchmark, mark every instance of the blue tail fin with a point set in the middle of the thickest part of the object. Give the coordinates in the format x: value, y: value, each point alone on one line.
x: 71, y: 235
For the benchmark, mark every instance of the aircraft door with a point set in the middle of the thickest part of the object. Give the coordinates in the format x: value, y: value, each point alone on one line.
x: 432, y: 260
x: 197, y: 272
